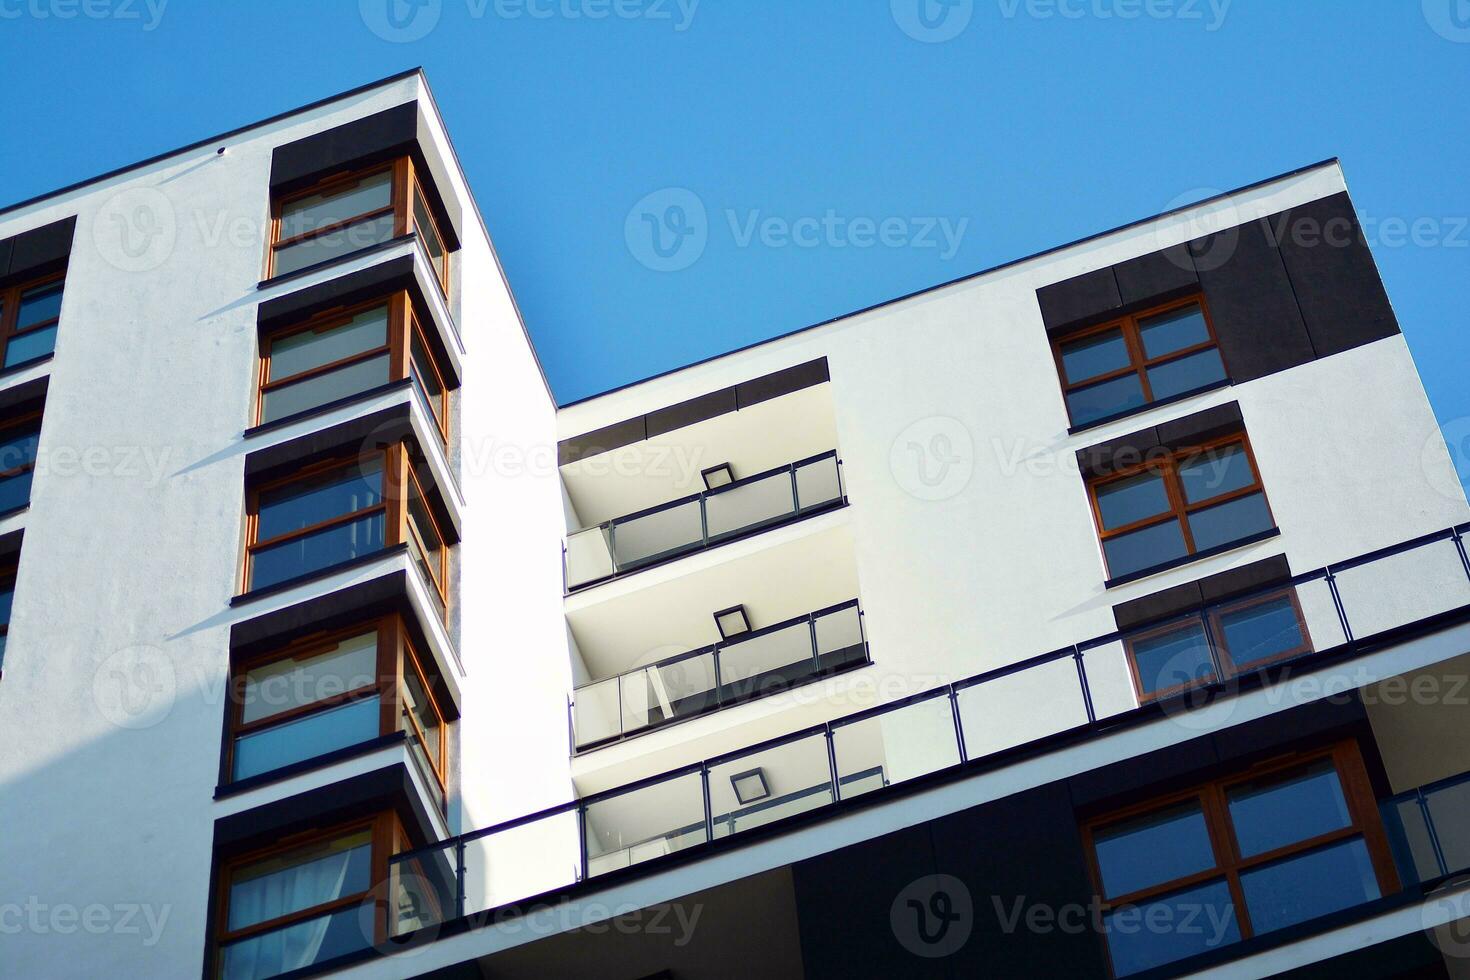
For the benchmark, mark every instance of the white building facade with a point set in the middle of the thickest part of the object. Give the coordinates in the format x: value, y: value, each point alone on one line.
x: 1103, y: 613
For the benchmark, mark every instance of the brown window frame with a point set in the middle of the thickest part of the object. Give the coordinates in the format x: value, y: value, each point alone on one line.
x: 404, y: 326
x: 405, y: 181
x: 10, y: 313
x: 1212, y: 796
x: 1138, y: 360
x: 396, y: 654
x: 439, y: 758
x: 24, y: 419
x: 1167, y: 464
x: 389, y: 837
x: 398, y: 470
x: 1216, y: 633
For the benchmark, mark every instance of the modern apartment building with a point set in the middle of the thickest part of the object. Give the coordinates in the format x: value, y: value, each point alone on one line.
x: 1106, y: 613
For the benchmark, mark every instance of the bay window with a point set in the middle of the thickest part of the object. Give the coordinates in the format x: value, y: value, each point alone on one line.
x: 19, y: 443
x: 29, y: 316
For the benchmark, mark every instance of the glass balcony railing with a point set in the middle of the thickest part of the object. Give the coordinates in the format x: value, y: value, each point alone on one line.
x: 1429, y: 830
x: 680, y: 527
x: 1351, y: 607
x: 752, y: 665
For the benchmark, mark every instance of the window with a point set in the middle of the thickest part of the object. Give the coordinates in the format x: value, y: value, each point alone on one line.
x: 1193, y: 500
x: 1248, y: 633
x: 342, y: 509
x: 29, y: 315
x: 330, y: 692
x: 345, y: 214
x: 290, y: 906
x: 7, y: 599
x: 1281, y: 844
x: 1121, y: 366
x: 19, y: 440
x: 341, y: 354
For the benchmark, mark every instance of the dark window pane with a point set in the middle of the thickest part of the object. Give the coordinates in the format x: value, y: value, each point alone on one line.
x: 1121, y: 502
x: 427, y: 545
x: 1109, y: 398
x: 18, y: 447
x: 15, y: 491
x: 306, y: 738
x: 29, y: 346
x: 308, y: 349
x: 1170, y: 928
x: 38, y: 305
x: 1186, y: 374
x: 425, y: 227
x: 317, y: 211
x: 7, y: 598
x: 300, y: 879
x: 313, y: 941
x: 1222, y: 524
x: 1300, y: 888
x: 1177, y: 658
x: 1150, y: 850
x: 1145, y: 548
x: 1261, y: 630
x: 340, y: 492
x: 1278, y: 810
x: 316, y: 551
x: 1101, y: 353
x: 1173, y: 331
x: 320, y: 389
x: 1215, y: 473
x: 343, y: 241
x: 292, y: 682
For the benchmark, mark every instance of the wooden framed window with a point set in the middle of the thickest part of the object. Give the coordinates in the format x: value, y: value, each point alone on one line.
x: 346, y: 213
x: 19, y: 441
x: 1199, y: 499
x: 305, y: 900
x: 8, y: 570
x: 1118, y: 367
x: 1282, y: 843
x: 345, y: 352
x: 331, y: 691
x: 29, y: 316
x: 342, y: 509
x: 1248, y: 633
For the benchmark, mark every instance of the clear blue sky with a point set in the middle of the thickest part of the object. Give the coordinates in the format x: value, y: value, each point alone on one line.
x: 1038, y: 122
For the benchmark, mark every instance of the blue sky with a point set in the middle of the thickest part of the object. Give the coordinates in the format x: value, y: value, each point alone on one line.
x: 919, y: 143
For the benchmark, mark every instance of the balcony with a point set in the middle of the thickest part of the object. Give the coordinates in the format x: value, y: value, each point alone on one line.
x: 1348, y: 609
x: 753, y: 665
x: 702, y: 520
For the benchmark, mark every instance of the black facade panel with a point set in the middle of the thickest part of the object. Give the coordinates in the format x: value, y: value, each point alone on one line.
x: 40, y: 251
x: 364, y: 433
x: 781, y: 383
x: 691, y: 411
x: 1072, y: 302
x: 1213, y: 588
x: 1191, y: 430
x: 1160, y: 605
x: 1156, y: 277
x: 1022, y: 855
x: 603, y: 440
x: 1337, y: 284
x: 25, y: 398
x: 1317, y: 720
x: 7, y: 248
x: 1118, y: 453
x: 1251, y: 302
x: 1134, y: 780
x: 1247, y: 578
x: 357, y: 287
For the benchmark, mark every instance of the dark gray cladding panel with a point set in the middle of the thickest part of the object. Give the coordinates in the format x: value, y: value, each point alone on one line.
x: 1251, y: 302
x: 1090, y: 296
x: 1192, y: 595
x: 23, y: 399
x: 781, y: 383
x: 1122, y: 452
x: 37, y: 252
x: 1336, y: 280
x: 1118, y: 453
x: 603, y: 440
x: 1157, y: 276
x: 689, y: 412
x: 342, y: 291
x: 362, y: 143
x: 1191, y: 430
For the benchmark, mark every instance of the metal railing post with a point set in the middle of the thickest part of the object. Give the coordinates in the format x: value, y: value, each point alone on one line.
x: 1423, y: 801
x: 832, y: 764
x: 719, y: 677
x: 1342, y: 616
x: 703, y: 522
x: 1460, y: 547
x: 811, y: 622
x: 1086, y: 688
x: 959, y: 728
x: 795, y: 493
x: 709, y: 813
x: 612, y: 545
x: 459, y: 897
x: 584, y: 871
